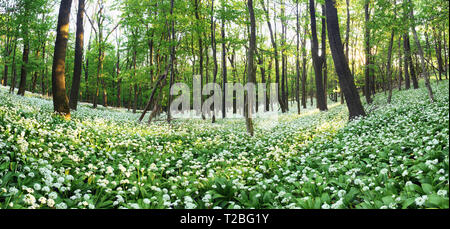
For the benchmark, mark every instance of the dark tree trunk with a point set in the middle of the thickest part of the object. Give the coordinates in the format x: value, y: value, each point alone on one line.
x: 14, y: 70
x: 400, y: 58
x: 304, y: 80
x: 224, y: 69
x: 438, y: 47
x: 412, y: 72
x: 391, y: 44
x: 317, y: 60
x: 172, y: 60
x: 23, y: 70
x: 422, y: 58
x: 367, y: 52
x: 275, y: 48
x: 36, y: 73
x: 346, y: 80
x: 251, y: 70
x: 214, y: 49
x: 79, y: 42
x: 200, y: 46
x: 7, y: 53
x: 44, y: 71
x: 407, y: 60
x: 297, y: 61
x: 60, y: 100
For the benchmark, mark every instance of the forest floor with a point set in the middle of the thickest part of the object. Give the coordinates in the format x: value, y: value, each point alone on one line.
x: 397, y: 157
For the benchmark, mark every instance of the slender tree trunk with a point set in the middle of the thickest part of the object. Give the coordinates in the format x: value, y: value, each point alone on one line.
x: 36, y: 72
x: 251, y: 70
x: 346, y: 80
x: 412, y: 73
x: 297, y: 60
x: 224, y: 70
x: 445, y: 54
x: 44, y: 70
x: 172, y: 61
x: 200, y: 47
x: 60, y: 100
x: 7, y: 53
x: 86, y: 70
x: 317, y: 60
x: 400, y: 58
x: 438, y: 47
x: 276, y: 56
x: 304, y: 60
x: 79, y: 43
x: 391, y: 44
x: 14, y: 70
x: 422, y: 58
x: 407, y: 58
x: 23, y: 71
x: 214, y: 49
x: 324, y: 55
x: 367, y: 52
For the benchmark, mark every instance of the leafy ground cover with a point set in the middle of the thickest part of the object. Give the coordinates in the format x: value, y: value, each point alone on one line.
x: 397, y: 157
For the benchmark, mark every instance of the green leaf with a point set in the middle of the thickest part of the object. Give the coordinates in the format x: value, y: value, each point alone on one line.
x: 427, y: 188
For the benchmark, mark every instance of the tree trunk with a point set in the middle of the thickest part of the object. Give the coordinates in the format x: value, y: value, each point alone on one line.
x: 438, y: 47
x: 304, y: 60
x: 23, y: 70
x: 297, y: 60
x: 275, y: 48
x: 251, y: 77
x: 14, y: 70
x: 422, y: 58
x: 224, y: 70
x: 79, y: 42
x: 317, y: 60
x: 400, y: 58
x: 407, y: 58
x: 367, y: 52
x: 214, y: 49
x: 345, y: 78
x: 60, y: 100
x: 391, y: 43
x: 172, y: 60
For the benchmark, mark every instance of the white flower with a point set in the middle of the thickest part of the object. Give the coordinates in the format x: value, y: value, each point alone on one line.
x: 421, y: 200
x: 405, y: 173
x: 442, y: 193
x: 37, y: 187
x: 341, y: 193
x: 325, y: 206
x: 50, y: 203
x: 61, y: 206
x: 43, y: 200
x: 53, y: 195
x: 29, y: 199
x: 166, y: 197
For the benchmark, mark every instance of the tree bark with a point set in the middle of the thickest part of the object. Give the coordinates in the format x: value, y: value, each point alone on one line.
x: 346, y: 80
x: 297, y: 60
x: 23, y: 70
x: 79, y: 43
x: 224, y: 69
x: 391, y: 44
x: 317, y: 60
x: 251, y: 77
x: 367, y: 52
x: 275, y: 48
x: 214, y: 49
x: 422, y: 58
x: 60, y: 100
